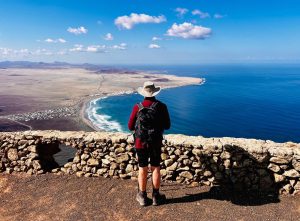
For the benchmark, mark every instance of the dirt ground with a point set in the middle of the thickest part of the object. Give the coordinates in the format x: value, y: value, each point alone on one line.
x: 53, y: 197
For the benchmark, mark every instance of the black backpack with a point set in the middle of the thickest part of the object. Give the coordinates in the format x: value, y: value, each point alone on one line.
x: 146, y: 126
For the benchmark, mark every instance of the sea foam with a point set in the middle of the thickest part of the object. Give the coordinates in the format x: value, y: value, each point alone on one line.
x: 101, y: 121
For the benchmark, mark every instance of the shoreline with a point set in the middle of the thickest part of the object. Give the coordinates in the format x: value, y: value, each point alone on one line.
x: 51, y: 105
x: 86, y: 104
x: 83, y: 114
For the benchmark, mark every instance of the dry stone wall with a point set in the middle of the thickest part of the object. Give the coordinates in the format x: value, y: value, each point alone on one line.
x: 246, y: 164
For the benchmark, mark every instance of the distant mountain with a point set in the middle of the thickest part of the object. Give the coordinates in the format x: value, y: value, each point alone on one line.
x: 62, y: 65
x: 56, y: 64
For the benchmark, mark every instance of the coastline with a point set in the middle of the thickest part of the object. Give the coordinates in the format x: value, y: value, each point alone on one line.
x: 84, y: 115
x: 61, y: 97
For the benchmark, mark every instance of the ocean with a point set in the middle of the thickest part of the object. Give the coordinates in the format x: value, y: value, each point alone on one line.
x: 259, y: 101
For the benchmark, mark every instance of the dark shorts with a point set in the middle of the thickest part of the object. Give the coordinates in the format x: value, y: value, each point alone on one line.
x: 152, y: 153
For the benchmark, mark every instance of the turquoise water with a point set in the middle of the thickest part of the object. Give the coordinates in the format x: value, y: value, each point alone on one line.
x: 251, y: 101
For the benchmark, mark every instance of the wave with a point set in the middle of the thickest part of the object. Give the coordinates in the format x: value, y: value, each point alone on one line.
x: 104, y: 121
x: 202, y: 82
x: 101, y: 121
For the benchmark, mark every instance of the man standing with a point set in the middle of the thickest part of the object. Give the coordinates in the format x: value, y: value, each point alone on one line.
x: 149, y: 119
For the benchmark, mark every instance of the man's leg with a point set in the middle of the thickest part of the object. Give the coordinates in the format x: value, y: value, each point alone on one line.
x: 155, y: 177
x: 157, y: 197
x: 141, y: 196
x: 142, y: 178
x: 155, y: 167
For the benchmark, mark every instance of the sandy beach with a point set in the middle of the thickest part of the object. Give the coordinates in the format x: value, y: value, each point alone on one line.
x: 56, y: 98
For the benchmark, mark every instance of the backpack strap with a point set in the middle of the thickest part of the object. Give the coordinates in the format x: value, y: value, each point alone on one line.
x: 153, y: 105
x: 140, y: 106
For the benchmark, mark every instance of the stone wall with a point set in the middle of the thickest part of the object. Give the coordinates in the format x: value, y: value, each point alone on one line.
x: 246, y: 164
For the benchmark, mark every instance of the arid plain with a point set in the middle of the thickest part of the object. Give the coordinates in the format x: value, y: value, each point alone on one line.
x: 55, y: 98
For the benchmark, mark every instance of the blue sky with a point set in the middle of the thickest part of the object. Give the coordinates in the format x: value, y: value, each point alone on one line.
x: 150, y: 31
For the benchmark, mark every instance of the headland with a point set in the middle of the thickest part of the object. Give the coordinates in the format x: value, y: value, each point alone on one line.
x: 55, y: 96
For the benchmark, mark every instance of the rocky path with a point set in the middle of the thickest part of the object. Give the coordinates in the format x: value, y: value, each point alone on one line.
x: 53, y: 197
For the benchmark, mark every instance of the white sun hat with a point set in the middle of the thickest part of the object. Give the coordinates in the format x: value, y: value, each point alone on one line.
x: 149, y: 89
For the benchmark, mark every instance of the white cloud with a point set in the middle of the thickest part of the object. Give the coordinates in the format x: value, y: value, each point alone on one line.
x: 96, y: 48
x: 127, y: 22
x: 109, y: 37
x: 77, y: 31
x: 188, y: 31
x: 24, y: 52
x: 60, y: 40
x: 77, y: 47
x: 156, y: 38
x: 200, y: 13
x: 8, y: 52
x: 49, y: 40
x: 218, y: 16
x: 181, y: 11
x: 153, y: 46
x: 5, y: 51
x: 122, y: 46
x: 62, y: 52
x: 90, y: 48
x: 42, y: 52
